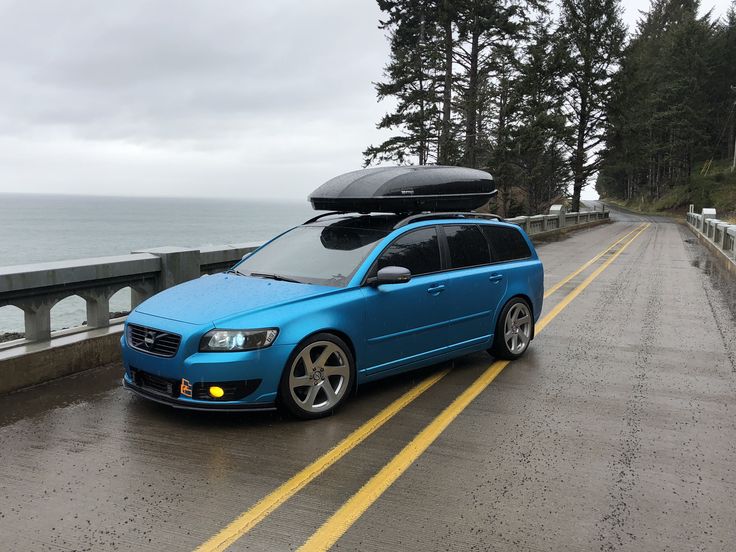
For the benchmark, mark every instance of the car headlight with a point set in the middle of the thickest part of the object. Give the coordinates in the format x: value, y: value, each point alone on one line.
x: 237, y: 340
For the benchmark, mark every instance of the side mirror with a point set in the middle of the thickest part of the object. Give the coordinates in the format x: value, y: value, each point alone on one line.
x: 391, y: 275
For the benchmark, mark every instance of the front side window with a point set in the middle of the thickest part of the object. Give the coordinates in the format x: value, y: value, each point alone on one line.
x: 325, y: 255
x: 468, y: 246
x: 419, y: 251
x: 507, y: 244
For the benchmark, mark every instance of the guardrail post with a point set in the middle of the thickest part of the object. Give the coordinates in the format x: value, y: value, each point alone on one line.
x: 178, y: 264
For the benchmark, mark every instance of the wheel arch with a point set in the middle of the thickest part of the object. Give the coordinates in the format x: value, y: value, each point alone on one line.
x: 338, y: 333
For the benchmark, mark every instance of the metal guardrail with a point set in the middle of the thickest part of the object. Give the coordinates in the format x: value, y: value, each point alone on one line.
x: 36, y: 288
x: 720, y: 233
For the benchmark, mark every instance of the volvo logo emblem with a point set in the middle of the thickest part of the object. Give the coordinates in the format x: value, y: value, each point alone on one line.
x: 149, y: 340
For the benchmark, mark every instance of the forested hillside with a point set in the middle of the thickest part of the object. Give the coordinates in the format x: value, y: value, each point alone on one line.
x: 554, y: 97
x: 672, y: 116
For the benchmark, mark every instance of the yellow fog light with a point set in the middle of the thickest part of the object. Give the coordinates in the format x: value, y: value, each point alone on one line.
x: 217, y: 392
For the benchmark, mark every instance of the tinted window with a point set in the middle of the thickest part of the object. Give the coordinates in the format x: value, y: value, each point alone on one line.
x: 507, y: 244
x: 418, y: 251
x: 467, y: 246
x: 327, y: 255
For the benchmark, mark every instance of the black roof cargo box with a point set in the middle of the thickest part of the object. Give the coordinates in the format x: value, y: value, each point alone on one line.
x: 405, y: 189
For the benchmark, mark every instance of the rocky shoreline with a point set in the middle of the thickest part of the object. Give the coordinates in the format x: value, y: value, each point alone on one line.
x: 11, y: 336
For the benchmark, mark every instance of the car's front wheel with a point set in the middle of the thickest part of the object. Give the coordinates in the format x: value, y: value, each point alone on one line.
x: 318, y: 377
x: 514, y: 330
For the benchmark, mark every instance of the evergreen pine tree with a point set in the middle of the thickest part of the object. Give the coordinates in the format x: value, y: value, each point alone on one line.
x: 537, y: 151
x: 593, y: 39
x: 414, y: 78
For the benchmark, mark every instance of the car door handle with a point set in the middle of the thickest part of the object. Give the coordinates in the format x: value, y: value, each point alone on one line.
x: 436, y: 290
x: 495, y: 278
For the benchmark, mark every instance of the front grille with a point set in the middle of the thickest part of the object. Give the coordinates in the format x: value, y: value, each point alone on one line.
x: 234, y: 390
x: 153, y: 341
x: 165, y: 386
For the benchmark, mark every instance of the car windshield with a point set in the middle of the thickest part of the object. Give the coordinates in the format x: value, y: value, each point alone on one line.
x: 326, y: 255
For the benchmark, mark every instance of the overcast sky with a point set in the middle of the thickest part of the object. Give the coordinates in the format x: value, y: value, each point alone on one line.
x: 191, y: 98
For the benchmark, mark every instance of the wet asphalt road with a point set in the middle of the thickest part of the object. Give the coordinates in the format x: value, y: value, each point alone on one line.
x: 615, y: 432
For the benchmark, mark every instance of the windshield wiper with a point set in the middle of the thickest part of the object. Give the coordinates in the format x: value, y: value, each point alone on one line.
x: 273, y: 277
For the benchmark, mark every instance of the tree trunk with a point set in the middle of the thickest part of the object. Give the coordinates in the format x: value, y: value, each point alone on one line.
x: 732, y: 144
x: 578, y: 168
x: 443, y: 155
x: 471, y: 104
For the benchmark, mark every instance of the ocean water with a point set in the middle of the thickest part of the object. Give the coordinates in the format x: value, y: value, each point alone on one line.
x: 38, y: 228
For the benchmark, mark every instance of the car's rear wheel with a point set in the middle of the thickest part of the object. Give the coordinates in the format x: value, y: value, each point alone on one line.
x: 318, y: 377
x: 514, y: 330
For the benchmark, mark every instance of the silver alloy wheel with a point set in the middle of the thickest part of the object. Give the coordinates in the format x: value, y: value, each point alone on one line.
x: 319, y: 376
x: 517, y: 328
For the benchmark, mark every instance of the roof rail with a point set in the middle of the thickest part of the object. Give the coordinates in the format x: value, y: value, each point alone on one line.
x: 315, y: 219
x: 429, y: 216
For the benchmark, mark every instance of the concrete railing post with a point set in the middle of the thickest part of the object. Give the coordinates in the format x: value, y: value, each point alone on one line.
x: 711, y: 233
x: 558, y: 210
x: 178, y: 264
x: 37, y: 321
x: 731, y: 231
x: 719, y: 235
x: 137, y: 296
x: 98, y: 309
x: 707, y: 213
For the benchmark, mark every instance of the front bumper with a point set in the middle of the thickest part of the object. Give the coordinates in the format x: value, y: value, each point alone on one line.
x: 189, y: 404
x: 250, y: 378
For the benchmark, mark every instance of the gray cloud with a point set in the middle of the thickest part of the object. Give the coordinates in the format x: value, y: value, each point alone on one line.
x: 162, y: 95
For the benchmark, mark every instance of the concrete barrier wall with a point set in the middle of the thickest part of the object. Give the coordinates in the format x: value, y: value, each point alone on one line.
x: 43, y: 355
x: 719, y: 236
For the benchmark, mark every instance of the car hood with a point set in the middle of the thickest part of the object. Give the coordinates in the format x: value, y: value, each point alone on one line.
x: 209, y: 298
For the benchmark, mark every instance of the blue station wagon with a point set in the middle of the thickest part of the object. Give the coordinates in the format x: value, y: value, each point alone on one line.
x: 341, y: 300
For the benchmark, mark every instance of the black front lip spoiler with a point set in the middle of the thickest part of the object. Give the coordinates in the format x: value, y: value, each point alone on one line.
x: 217, y: 407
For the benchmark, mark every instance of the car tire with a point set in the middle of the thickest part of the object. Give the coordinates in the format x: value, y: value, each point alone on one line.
x: 318, y: 377
x: 514, y: 330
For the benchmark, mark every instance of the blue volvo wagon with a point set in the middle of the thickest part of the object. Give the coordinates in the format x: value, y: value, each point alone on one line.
x: 343, y: 299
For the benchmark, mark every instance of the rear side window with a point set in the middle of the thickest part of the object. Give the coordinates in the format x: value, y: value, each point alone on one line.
x: 419, y: 251
x: 467, y: 245
x: 507, y: 244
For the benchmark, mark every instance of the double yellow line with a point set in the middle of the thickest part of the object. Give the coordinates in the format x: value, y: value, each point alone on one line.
x: 343, y: 518
x: 588, y: 264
